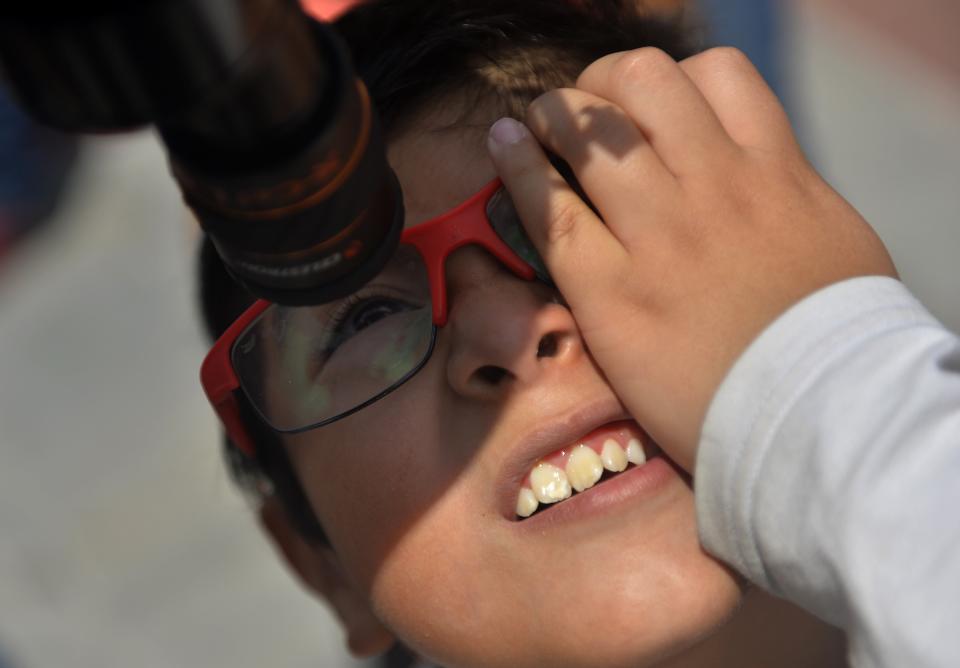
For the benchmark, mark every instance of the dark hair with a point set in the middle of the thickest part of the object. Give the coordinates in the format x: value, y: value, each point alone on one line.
x: 411, y: 53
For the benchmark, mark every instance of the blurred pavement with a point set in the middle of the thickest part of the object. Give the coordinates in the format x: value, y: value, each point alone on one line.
x: 124, y: 543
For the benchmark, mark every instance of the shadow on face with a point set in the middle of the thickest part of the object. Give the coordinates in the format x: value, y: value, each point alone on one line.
x: 415, y: 490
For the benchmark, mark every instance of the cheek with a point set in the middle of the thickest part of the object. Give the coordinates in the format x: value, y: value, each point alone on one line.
x: 404, y: 489
x: 465, y: 591
x: 442, y: 587
x: 371, y: 476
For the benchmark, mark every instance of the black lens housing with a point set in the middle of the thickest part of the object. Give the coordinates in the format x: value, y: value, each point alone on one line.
x: 270, y: 136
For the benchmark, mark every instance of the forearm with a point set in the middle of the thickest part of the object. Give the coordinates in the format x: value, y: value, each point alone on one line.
x: 829, y: 470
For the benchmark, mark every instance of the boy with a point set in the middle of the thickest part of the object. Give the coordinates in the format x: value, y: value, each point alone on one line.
x: 438, y: 455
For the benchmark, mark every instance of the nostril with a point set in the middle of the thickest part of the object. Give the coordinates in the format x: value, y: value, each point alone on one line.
x: 547, y: 346
x: 491, y: 374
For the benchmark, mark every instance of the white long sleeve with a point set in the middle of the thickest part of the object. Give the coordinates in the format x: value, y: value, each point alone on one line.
x: 829, y: 470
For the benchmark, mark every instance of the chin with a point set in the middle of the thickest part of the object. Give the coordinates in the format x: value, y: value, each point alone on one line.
x: 617, y: 629
x: 609, y: 622
x: 628, y: 588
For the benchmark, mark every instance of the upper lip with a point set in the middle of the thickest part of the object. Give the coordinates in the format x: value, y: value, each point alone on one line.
x: 549, y: 436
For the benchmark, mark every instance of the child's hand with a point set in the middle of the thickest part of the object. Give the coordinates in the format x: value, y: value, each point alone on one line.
x: 715, y: 223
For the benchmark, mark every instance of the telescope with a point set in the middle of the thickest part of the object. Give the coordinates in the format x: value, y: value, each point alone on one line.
x: 269, y: 133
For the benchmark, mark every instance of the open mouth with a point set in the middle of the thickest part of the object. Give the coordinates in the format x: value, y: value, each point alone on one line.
x: 601, y: 455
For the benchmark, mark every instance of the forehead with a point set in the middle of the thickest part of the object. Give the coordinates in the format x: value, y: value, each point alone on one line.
x: 439, y: 165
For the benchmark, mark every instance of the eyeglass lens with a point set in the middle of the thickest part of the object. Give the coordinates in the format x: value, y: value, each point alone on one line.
x: 305, y: 366
x: 302, y: 366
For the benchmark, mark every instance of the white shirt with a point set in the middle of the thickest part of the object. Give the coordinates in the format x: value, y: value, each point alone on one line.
x: 829, y: 470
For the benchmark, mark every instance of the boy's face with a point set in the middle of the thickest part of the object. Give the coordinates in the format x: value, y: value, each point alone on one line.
x: 417, y: 492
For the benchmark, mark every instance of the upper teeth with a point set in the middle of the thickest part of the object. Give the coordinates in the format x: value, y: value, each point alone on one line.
x: 635, y: 453
x: 613, y: 456
x: 549, y: 483
x: 526, y: 502
x: 582, y: 470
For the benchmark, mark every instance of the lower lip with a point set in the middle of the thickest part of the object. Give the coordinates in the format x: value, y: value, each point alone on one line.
x: 628, y: 488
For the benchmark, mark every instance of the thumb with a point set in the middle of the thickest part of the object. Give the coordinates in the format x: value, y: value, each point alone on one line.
x: 581, y: 254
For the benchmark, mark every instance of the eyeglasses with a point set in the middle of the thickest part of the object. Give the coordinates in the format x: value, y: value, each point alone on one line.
x: 305, y: 367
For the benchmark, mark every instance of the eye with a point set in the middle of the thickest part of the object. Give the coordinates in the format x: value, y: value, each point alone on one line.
x: 359, y: 313
x: 371, y: 311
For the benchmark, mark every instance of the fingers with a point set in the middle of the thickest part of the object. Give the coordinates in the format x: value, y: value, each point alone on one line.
x: 665, y: 104
x: 608, y: 153
x: 567, y: 234
x: 743, y: 102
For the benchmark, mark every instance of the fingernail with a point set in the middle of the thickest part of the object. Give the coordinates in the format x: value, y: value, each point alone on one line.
x: 507, y: 131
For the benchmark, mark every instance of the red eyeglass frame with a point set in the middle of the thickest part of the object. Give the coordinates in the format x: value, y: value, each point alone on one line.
x: 434, y: 240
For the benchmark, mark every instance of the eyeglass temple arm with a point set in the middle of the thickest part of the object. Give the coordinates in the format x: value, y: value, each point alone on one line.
x: 221, y: 387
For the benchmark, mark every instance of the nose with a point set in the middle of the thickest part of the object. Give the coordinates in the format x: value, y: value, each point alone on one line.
x: 503, y: 331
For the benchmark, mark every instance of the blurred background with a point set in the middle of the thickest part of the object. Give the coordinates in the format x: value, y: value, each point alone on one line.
x: 123, y: 541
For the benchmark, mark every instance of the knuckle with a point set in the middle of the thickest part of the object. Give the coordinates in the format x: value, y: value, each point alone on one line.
x: 542, y: 104
x: 550, y: 109
x: 725, y: 57
x: 564, y: 222
x: 645, y: 64
x: 550, y: 99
